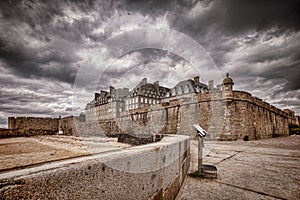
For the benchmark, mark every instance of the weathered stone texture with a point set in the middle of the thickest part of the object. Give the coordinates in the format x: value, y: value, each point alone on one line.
x: 233, y: 115
x: 68, y: 125
x: 138, y: 139
x: 227, y: 115
x: 33, y: 123
x: 155, y: 171
x: 6, y: 133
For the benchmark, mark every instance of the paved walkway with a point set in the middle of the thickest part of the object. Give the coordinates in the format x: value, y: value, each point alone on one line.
x: 262, y: 169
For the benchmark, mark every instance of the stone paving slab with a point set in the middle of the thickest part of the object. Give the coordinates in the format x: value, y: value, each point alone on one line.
x: 263, y: 169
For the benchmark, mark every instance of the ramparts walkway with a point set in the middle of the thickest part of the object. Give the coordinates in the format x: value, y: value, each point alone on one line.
x: 262, y: 169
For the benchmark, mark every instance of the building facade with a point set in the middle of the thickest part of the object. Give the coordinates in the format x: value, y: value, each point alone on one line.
x: 145, y: 94
x: 226, y: 114
x: 106, y: 104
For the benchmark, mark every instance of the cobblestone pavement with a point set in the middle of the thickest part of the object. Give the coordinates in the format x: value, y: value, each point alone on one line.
x: 262, y: 169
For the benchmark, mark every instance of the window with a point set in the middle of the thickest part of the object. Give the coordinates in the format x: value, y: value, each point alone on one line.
x: 179, y: 90
x: 186, y: 89
x: 173, y: 92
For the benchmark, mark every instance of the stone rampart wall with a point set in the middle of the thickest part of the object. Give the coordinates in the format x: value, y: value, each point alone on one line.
x: 33, y: 123
x: 228, y: 115
x: 249, y: 117
x: 68, y: 125
x: 244, y: 116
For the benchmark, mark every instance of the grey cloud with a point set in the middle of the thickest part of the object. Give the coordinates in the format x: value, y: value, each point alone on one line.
x: 47, y: 41
x: 45, y: 23
x: 259, y: 15
x: 142, y: 61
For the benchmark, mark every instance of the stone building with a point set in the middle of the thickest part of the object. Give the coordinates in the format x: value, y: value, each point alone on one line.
x: 186, y: 89
x: 227, y: 114
x: 145, y: 94
x: 106, y: 105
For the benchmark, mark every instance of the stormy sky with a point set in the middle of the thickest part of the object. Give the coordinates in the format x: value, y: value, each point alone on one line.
x: 45, y: 44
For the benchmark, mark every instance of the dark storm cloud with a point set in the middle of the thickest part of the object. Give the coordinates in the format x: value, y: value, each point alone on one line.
x: 24, y: 24
x: 215, y: 23
x: 260, y: 15
x: 235, y: 16
x: 272, y: 58
x: 56, y: 36
x: 43, y: 44
x: 136, y: 63
x: 156, y: 7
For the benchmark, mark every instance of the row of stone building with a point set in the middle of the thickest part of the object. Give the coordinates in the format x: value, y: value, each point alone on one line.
x: 154, y: 109
x: 110, y: 104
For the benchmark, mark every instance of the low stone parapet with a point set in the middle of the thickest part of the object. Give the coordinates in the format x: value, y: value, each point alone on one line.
x: 153, y: 171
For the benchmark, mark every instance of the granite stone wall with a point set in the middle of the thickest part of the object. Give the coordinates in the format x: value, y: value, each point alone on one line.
x: 227, y: 115
x: 242, y: 116
x: 153, y: 171
x: 33, y: 123
x: 250, y: 117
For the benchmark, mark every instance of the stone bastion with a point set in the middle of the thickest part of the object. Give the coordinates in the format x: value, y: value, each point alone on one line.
x: 152, y: 171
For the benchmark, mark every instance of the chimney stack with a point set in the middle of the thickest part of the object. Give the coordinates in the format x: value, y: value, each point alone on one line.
x: 111, y: 90
x: 97, y: 95
x: 196, y: 80
x: 211, y: 85
x: 156, y: 86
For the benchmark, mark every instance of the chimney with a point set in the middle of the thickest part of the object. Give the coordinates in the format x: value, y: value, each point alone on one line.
x: 211, y: 85
x: 111, y: 90
x: 196, y: 80
x: 144, y: 81
x: 156, y: 86
x: 97, y: 95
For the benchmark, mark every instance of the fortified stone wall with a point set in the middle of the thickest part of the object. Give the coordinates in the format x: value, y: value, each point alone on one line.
x: 68, y: 125
x: 212, y: 114
x: 228, y: 115
x: 250, y: 117
x: 33, y: 123
x: 244, y: 116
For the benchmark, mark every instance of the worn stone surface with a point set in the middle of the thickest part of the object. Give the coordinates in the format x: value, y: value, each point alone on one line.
x: 229, y: 115
x: 7, y: 133
x: 226, y: 114
x: 262, y: 169
x: 19, y: 153
x: 153, y: 171
x: 138, y: 139
x: 33, y: 123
